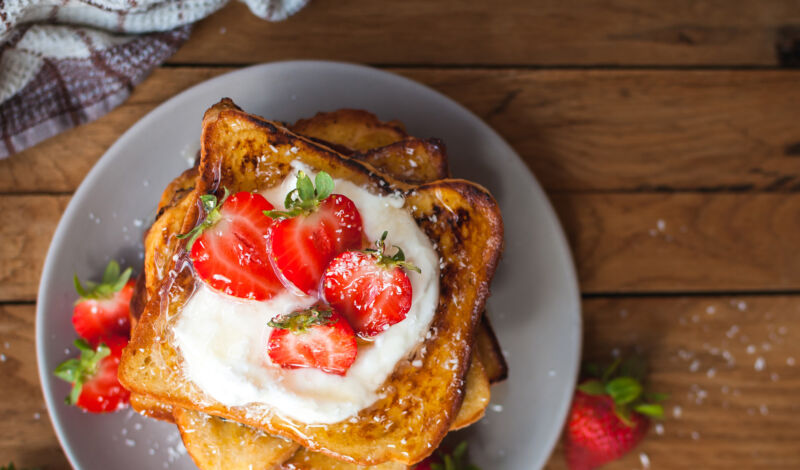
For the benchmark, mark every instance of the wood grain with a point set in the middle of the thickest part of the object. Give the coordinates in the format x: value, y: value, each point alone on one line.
x: 30, y: 223
x: 724, y: 412
x: 623, y: 243
x: 578, y: 130
x: 620, y: 32
x: 683, y: 242
x: 745, y: 418
x: 26, y: 435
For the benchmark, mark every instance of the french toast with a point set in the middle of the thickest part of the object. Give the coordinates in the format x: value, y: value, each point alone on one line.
x: 351, y: 130
x: 459, y: 195
x: 214, y: 443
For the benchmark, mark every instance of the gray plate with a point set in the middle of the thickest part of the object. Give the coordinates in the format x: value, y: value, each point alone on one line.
x: 535, y: 305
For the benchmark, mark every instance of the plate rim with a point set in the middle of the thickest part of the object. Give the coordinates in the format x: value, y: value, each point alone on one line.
x: 83, y: 190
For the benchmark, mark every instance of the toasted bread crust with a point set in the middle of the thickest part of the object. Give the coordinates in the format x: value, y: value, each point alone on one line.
x: 352, y: 129
x: 467, y: 227
x: 215, y: 444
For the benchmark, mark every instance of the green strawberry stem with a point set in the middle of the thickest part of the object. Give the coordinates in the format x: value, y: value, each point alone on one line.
x: 305, y: 197
x: 113, y: 281
x: 622, y: 382
x: 457, y: 460
x: 78, y: 370
x: 301, y: 320
x: 398, y: 259
x: 212, y: 209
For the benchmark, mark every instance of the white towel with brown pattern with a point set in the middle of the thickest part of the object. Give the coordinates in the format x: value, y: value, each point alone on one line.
x: 68, y: 62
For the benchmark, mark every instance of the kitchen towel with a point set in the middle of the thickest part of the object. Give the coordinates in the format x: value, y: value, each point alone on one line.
x: 68, y: 62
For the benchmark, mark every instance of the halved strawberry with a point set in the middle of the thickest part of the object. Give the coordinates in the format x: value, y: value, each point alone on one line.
x: 102, y: 311
x: 317, y: 337
x: 95, y: 387
x: 316, y: 227
x: 228, y: 248
x: 370, y: 288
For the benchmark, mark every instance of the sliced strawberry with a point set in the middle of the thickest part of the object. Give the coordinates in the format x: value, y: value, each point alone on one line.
x: 316, y: 227
x: 317, y: 337
x: 95, y: 387
x: 371, y: 290
x: 102, y: 312
x: 228, y: 248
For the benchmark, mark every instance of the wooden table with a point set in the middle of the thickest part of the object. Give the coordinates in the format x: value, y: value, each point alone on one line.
x: 666, y: 135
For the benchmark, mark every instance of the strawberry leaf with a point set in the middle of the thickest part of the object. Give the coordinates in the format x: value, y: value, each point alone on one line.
x: 592, y: 387
x: 305, y: 188
x: 460, y: 451
x: 324, y: 185
x: 113, y: 282
x: 624, y: 390
x: 301, y: 320
x: 650, y: 409
x: 212, y: 209
x: 609, y: 372
x: 78, y: 370
x: 398, y: 259
x: 623, y: 413
x: 305, y: 198
x: 111, y: 274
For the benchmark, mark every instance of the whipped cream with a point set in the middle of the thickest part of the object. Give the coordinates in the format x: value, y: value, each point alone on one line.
x: 223, y: 340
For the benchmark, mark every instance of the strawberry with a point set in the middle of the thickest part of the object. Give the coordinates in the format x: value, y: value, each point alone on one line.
x: 369, y: 288
x: 95, y: 387
x: 608, y: 418
x: 315, y: 227
x: 102, y: 310
x: 317, y: 337
x: 444, y: 461
x: 228, y: 249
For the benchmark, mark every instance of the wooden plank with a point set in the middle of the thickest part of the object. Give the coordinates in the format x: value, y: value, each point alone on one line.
x: 683, y: 242
x: 30, y: 223
x: 578, y: 130
x: 743, y: 417
x: 724, y: 410
x: 26, y: 436
x: 622, y: 243
x: 623, y: 32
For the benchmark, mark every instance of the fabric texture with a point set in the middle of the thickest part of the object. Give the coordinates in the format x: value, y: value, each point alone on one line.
x: 67, y: 62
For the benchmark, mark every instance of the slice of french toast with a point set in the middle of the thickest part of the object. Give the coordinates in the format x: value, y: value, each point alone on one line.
x: 217, y: 444
x: 460, y: 217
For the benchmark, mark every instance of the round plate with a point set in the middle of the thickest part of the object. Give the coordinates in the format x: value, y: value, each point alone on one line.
x: 535, y: 304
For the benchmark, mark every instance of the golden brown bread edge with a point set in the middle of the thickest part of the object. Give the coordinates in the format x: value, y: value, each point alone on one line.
x: 460, y: 217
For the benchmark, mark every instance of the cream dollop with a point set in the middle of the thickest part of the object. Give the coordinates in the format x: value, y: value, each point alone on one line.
x: 223, y: 340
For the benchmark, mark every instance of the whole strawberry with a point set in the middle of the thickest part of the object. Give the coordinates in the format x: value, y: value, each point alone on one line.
x: 93, y: 375
x: 610, y: 414
x: 102, y: 311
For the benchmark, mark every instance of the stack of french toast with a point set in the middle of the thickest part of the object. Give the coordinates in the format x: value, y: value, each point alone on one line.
x: 441, y: 383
